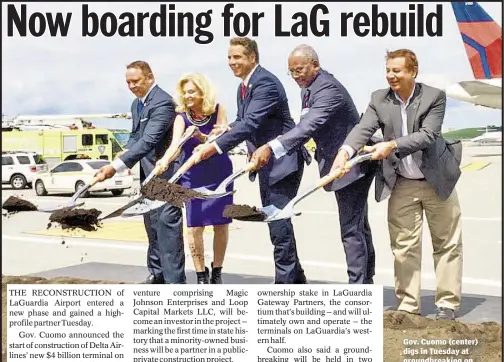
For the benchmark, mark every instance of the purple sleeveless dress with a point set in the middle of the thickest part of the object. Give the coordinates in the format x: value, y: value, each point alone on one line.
x: 208, y: 173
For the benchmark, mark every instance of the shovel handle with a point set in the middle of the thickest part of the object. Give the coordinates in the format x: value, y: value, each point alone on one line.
x: 249, y: 167
x: 329, y: 178
x: 157, y: 170
x: 183, y: 169
x: 188, y: 164
x: 348, y: 165
x: 94, y: 181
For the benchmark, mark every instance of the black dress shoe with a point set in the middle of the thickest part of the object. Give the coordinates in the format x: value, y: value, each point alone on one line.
x: 151, y: 279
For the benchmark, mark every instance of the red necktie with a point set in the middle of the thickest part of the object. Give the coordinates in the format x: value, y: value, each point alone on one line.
x: 243, y: 90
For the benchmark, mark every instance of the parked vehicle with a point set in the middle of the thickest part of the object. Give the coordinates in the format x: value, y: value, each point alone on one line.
x: 62, y: 138
x: 70, y: 176
x: 19, y: 168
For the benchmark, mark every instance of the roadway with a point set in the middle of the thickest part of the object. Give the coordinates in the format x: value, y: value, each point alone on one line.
x: 117, y: 251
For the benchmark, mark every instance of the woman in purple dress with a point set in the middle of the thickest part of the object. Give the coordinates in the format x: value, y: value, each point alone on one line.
x: 199, y: 111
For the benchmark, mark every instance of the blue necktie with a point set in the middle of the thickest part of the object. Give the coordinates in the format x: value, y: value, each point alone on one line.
x: 140, y: 106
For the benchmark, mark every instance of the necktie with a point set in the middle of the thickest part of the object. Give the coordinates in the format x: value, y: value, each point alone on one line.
x: 243, y: 91
x: 306, y: 97
x: 140, y: 106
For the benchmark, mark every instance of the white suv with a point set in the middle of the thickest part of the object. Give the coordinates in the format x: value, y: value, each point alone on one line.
x: 19, y: 168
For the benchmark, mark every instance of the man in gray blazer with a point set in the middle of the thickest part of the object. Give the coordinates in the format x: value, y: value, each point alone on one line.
x: 153, y: 113
x: 419, y: 171
x: 328, y: 114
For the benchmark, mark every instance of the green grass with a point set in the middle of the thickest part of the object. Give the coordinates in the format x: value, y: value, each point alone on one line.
x: 465, y: 133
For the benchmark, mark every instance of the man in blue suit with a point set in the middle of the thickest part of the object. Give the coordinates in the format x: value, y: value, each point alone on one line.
x: 153, y: 112
x: 328, y: 114
x: 263, y: 113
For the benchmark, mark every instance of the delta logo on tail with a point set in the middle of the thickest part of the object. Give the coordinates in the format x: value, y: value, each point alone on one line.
x: 482, y: 39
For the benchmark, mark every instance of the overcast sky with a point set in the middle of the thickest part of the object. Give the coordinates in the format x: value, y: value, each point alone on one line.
x: 70, y: 75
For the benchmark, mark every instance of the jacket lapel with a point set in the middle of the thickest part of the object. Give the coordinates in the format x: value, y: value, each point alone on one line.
x: 395, y: 114
x: 135, y: 115
x: 413, y: 108
x: 147, y: 102
x: 138, y: 116
x: 250, y: 86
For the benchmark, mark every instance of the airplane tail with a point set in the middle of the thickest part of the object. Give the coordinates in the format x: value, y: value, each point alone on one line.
x: 482, y: 38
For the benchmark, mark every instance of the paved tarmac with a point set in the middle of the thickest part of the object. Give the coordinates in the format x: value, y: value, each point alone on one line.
x: 117, y: 251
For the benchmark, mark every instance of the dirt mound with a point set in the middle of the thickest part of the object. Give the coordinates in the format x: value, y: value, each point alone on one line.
x: 398, y: 327
x: 76, y: 219
x: 14, y: 204
x: 244, y: 213
x: 162, y: 190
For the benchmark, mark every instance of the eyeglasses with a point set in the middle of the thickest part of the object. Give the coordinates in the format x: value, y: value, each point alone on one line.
x: 296, y: 72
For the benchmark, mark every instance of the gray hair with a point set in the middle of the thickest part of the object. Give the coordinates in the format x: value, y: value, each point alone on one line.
x: 306, y: 52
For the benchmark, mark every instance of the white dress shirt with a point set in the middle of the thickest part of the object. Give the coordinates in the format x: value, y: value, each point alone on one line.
x: 407, y: 167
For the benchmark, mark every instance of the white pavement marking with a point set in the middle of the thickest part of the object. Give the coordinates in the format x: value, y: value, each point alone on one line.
x: 141, y: 247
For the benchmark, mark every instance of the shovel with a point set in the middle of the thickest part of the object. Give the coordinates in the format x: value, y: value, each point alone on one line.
x: 220, y: 191
x: 273, y: 213
x: 71, y: 204
x: 141, y: 204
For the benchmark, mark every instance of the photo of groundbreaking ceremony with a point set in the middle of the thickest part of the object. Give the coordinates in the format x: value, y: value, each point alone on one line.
x: 260, y: 160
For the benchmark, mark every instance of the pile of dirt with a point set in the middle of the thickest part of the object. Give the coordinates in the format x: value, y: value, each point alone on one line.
x: 162, y: 190
x: 14, y: 204
x: 397, y: 327
x: 76, y: 219
x: 400, y: 326
x: 244, y: 213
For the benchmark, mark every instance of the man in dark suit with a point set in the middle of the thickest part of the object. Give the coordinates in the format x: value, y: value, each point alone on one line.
x: 419, y: 171
x: 263, y: 112
x: 328, y: 114
x: 153, y: 112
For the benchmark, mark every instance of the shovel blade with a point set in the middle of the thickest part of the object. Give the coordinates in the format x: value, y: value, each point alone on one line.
x: 120, y: 211
x: 143, y: 207
x: 58, y: 208
x: 209, y: 194
x: 285, y: 213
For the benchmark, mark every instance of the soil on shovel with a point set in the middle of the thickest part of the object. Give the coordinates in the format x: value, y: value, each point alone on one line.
x: 162, y: 190
x: 244, y: 213
x: 14, y: 204
x: 76, y: 218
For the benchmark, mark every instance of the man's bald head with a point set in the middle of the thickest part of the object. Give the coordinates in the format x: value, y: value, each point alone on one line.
x: 304, y: 65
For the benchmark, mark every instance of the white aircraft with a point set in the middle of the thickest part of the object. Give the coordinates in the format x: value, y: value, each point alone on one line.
x: 482, y: 38
x: 489, y: 137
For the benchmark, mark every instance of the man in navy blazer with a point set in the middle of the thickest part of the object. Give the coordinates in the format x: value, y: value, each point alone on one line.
x: 328, y: 114
x: 263, y: 113
x: 153, y: 112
